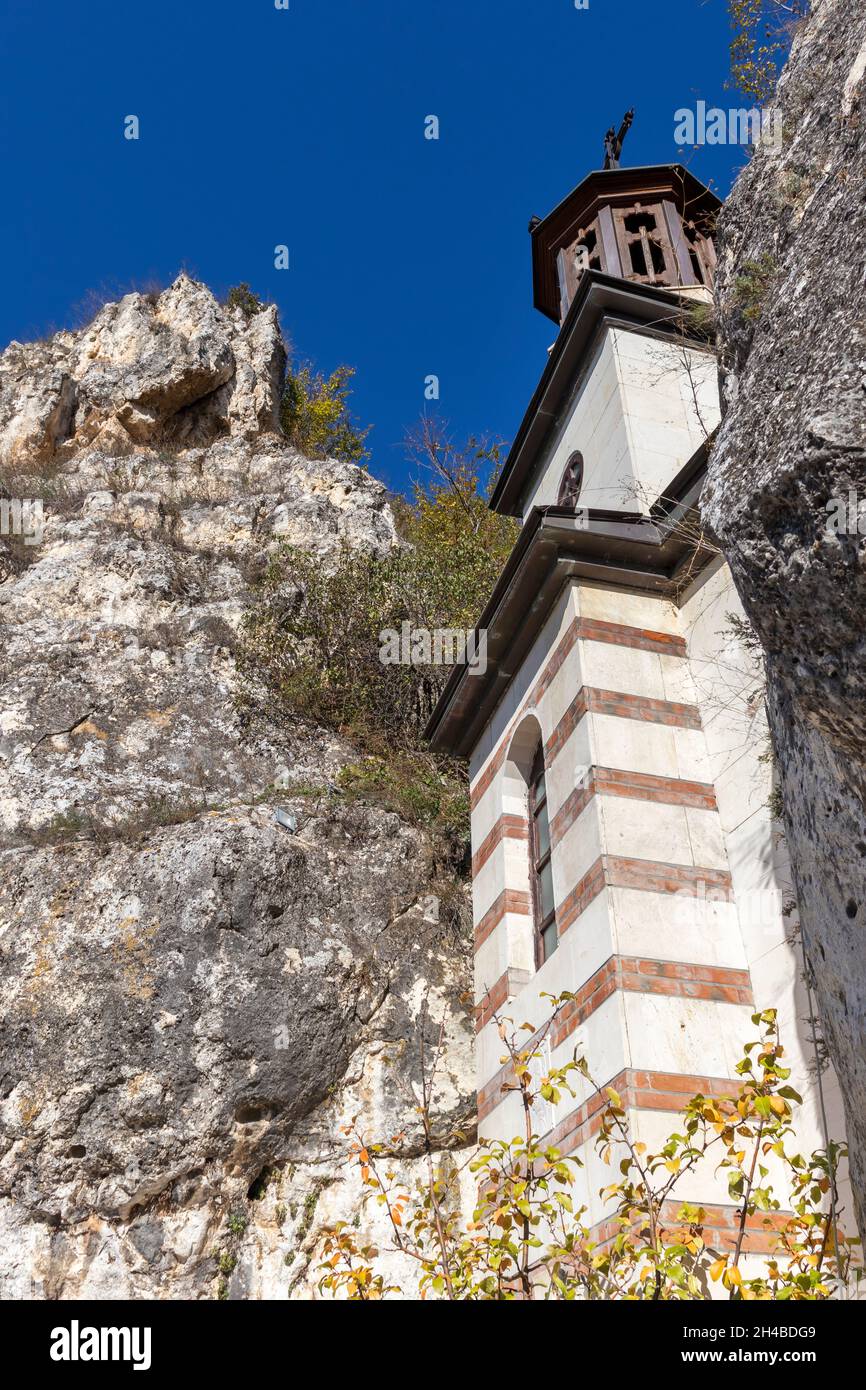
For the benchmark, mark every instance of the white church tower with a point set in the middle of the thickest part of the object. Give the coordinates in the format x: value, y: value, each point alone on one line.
x: 623, y: 843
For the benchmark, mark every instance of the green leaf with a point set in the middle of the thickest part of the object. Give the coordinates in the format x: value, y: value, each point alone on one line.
x: 788, y: 1093
x: 736, y: 1182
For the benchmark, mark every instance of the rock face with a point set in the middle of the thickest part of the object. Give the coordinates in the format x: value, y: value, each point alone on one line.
x: 193, y: 997
x: 153, y: 368
x: 792, y: 449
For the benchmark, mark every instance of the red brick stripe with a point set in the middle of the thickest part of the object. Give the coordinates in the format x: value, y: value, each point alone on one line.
x: 720, y: 984
x: 571, y: 809
x: 590, y: 699
x: 646, y: 786
x: 631, y: 706
x: 587, y: 999
x: 485, y: 781
x: 554, y: 665
x: 508, y: 827
x: 618, y: 871
x: 653, y: 877
x: 493, y: 999
x: 498, y: 994
x: 644, y: 638
x: 670, y: 712
x: 637, y: 1091
x: 713, y: 983
x: 511, y: 900
x: 680, y: 979
x: 567, y: 724
x: 581, y: 895
x: 636, y: 786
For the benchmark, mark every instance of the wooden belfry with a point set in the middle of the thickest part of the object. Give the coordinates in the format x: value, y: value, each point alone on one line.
x: 651, y: 225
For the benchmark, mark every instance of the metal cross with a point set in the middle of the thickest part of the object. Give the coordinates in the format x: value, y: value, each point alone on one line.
x: 613, y: 142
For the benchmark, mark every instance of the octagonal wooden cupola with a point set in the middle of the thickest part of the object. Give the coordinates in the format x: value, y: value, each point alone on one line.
x: 652, y: 226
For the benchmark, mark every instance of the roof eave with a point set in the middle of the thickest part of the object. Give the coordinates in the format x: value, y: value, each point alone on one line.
x: 620, y: 549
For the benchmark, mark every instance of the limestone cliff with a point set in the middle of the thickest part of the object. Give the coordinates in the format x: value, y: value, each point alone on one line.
x: 792, y: 299
x: 193, y: 998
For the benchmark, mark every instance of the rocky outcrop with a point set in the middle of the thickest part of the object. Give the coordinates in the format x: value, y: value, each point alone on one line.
x: 188, y: 1020
x: 210, y: 960
x: 791, y: 451
x: 120, y: 627
x: 175, y: 367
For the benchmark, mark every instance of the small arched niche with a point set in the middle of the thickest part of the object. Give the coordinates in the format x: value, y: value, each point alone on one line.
x: 522, y: 751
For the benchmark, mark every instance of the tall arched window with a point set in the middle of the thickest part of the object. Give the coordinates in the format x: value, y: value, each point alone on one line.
x: 542, y: 869
x: 572, y: 481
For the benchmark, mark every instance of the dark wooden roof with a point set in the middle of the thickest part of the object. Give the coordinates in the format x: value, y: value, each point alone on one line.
x: 613, y: 187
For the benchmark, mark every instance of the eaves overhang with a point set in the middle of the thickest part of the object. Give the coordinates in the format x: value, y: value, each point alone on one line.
x: 660, y: 554
x: 599, y: 297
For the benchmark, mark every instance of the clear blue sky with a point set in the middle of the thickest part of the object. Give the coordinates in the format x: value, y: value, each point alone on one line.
x: 305, y: 127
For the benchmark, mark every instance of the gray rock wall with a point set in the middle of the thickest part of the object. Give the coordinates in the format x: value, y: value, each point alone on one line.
x: 792, y: 300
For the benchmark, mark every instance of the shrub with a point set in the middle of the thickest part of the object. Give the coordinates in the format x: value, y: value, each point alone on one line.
x: 243, y: 298
x: 752, y: 285
x: 420, y: 788
x: 311, y: 643
x: 237, y: 1222
x: 315, y: 418
x: 701, y: 319
x: 528, y: 1240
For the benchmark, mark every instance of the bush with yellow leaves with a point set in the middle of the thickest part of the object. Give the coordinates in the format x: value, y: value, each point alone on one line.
x: 527, y: 1240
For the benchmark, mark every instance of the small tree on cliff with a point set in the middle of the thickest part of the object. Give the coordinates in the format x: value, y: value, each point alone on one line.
x: 761, y: 35
x: 311, y: 645
x: 315, y: 415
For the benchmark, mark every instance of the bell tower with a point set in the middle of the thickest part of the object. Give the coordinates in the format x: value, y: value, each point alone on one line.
x: 653, y: 226
x: 650, y: 226
x: 623, y: 847
x: 624, y: 266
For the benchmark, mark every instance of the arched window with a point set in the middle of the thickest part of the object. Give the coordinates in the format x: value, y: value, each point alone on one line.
x: 572, y: 481
x: 541, y: 867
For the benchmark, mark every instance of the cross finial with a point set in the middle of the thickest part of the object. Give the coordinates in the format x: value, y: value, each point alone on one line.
x: 613, y: 142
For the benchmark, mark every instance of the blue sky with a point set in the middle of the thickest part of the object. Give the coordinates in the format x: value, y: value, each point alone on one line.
x: 305, y: 127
